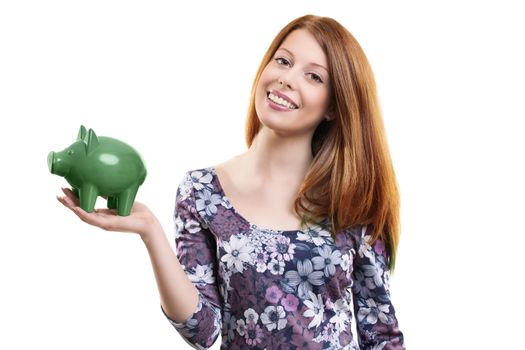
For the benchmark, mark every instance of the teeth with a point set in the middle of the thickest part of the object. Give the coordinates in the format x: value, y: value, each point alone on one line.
x: 281, y: 101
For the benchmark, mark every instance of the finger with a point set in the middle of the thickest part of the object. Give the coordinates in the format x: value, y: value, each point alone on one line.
x: 65, y: 202
x: 97, y: 218
x: 71, y: 195
x: 85, y: 216
x: 106, y: 211
x: 68, y: 191
x: 70, y: 202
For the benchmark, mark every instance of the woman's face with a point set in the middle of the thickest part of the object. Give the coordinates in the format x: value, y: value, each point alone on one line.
x: 292, y: 94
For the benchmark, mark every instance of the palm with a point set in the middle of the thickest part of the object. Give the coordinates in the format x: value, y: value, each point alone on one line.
x: 139, y: 220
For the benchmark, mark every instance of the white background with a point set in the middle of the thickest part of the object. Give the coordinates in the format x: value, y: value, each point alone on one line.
x: 173, y: 80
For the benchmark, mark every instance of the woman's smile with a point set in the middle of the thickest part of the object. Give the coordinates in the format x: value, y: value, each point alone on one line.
x: 280, y: 101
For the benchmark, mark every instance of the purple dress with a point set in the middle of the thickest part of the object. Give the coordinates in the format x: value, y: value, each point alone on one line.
x: 267, y: 289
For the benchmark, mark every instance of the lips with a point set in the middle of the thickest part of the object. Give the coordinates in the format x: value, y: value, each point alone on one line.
x: 283, y: 96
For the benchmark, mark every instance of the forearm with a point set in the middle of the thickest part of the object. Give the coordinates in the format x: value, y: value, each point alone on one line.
x: 178, y: 295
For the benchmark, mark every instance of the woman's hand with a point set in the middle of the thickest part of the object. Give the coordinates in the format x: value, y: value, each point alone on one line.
x: 141, y: 220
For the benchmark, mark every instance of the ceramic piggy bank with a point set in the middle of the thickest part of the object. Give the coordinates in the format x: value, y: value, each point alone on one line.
x: 100, y: 166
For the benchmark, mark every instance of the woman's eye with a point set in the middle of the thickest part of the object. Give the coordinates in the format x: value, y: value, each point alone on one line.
x: 282, y: 61
x: 315, y: 77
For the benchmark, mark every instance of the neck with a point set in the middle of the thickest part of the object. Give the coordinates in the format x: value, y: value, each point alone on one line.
x: 277, y: 159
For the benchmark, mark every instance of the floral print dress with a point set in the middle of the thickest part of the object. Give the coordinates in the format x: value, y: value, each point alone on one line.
x: 267, y: 289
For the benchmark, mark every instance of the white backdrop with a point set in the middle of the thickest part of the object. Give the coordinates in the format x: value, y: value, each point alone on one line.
x: 173, y: 80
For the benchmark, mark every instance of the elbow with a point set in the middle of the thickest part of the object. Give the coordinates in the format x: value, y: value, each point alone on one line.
x: 203, y: 327
x: 382, y: 337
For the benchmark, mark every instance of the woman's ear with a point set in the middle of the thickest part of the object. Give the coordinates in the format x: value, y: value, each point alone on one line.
x: 329, y: 115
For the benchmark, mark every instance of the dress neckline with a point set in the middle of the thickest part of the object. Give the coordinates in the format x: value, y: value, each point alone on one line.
x: 220, y: 189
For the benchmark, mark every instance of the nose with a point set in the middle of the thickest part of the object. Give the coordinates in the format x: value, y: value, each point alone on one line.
x: 287, y: 79
x: 284, y: 84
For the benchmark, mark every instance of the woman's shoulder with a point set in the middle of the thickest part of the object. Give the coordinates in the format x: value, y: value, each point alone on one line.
x: 227, y: 167
x: 197, y: 178
x: 207, y: 177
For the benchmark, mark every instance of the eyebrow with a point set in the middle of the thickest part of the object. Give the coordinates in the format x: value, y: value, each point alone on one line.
x: 310, y: 63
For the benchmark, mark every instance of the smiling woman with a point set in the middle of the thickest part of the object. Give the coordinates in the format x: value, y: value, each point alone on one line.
x: 292, y: 241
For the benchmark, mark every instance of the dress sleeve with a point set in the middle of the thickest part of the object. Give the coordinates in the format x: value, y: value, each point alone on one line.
x: 196, y: 247
x: 377, y: 326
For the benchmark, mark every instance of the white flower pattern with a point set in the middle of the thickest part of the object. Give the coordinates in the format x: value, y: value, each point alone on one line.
x: 315, y: 309
x: 238, y: 251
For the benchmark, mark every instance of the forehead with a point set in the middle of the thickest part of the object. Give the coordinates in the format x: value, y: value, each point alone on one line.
x: 303, y: 46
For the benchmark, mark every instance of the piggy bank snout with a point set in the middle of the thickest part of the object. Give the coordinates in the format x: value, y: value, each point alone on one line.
x: 50, y: 159
x: 57, y: 164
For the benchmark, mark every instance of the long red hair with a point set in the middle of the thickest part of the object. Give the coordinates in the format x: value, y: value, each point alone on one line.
x: 351, y: 179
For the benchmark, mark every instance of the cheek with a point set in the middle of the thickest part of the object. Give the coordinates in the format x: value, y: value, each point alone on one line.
x: 260, y: 94
x: 317, y: 98
x: 266, y: 77
x: 262, y: 83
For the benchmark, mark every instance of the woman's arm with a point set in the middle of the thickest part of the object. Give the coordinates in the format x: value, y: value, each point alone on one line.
x: 178, y: 295
x: 189, y: 295
x: 377, y: 325
x: 200, y: 321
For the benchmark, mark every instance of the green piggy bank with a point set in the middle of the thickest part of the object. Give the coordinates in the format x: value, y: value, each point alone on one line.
x: 100, y: 166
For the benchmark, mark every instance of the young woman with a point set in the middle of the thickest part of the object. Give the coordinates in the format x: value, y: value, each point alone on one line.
x: 286, y: 244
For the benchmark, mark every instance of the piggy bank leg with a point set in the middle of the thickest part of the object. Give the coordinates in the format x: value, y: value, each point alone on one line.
x: 112, y: 202
x: 125, y: 200
x: 88, y: 197
x: 75, y: 192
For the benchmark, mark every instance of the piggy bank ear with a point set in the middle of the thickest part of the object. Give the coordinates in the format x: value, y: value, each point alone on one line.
x: 92, y: 141
x: 81, y: 133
